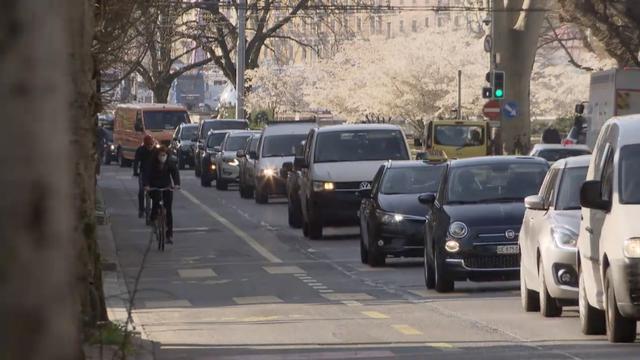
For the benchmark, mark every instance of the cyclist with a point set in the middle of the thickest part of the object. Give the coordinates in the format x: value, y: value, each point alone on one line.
x: 140, y: 164
x: 162, y: 173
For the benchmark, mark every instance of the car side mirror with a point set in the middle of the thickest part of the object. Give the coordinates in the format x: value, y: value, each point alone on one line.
x: 364, y: 193
x: 216, y: 148
x: 421, y: 155
x: 253, y: 155
x: 591, y: 196
x: 299, y: 163
x: 534, y: 202
x: 427, y: 199
x: 241, y: 154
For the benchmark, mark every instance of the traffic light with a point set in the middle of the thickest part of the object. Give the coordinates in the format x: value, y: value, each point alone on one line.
x: 498, y: 84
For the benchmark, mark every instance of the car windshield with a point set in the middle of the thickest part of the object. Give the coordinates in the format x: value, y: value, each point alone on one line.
x: 215, y: 140
x: 412, y: 180
x: 223, y: 125
x: 630, y: 174
x: 281, y: 145
x: 459, y: 135
x: 164, y: 120
x: 553, y: 155
x: 235, y: 143
x: 500, y: 182
x: 360, y: 145
x: 569, y: 190
x: 188, y: 132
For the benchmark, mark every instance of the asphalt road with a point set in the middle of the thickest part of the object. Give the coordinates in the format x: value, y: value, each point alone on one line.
x: 240, y: 284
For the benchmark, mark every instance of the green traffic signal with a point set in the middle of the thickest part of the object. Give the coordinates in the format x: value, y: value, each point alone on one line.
x: 499, y: 93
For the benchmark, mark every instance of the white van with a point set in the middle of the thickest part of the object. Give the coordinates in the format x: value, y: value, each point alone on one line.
x: 609, y: 240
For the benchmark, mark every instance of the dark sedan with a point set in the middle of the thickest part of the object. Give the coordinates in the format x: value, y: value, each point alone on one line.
x: 391, y: 217
x: 476, y: 215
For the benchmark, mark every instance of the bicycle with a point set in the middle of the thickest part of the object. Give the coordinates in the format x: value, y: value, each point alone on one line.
x: 147, y: 208
x: 159, y: 226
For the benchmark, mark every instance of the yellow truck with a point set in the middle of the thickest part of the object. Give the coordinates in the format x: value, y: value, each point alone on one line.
x: 457, y: 139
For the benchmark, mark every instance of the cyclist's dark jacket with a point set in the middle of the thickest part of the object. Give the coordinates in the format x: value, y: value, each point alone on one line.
x: 142, y: 160
x: 159, y: 175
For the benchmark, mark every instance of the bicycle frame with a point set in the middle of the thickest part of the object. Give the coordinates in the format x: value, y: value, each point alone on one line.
x: 161, y: 219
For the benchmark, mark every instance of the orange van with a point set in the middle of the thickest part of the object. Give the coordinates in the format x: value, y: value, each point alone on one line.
x: 134, y: 121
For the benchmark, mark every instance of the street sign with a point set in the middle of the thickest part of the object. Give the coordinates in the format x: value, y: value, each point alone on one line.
x: 510, y: 109
x: 488, y: 43
x: 491, y: 109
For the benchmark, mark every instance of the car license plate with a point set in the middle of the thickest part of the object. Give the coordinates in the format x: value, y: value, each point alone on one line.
x: 508, y: 249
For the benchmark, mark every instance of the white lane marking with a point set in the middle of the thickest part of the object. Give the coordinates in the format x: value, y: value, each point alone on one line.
x: 243, y: 235
x: 196, y: 273
x: 250, y: 300
x: 325, y: 291
x: 348, y: 296
x: 351, y: 303
x: 283, y: 269
x: 318, y: 287
x: 309, y: 280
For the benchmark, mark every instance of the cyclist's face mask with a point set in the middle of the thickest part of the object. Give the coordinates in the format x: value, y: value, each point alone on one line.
x: 162, y: 158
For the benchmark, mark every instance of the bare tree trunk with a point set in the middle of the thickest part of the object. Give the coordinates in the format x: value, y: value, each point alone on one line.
x: 161, y: 92
x: 38, y: 307
x: 516, y: 39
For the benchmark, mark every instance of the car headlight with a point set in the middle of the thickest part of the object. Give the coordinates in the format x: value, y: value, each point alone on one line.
x: 323, y: 186
x: 632, y: 248
x: 112, y: 147
x: 458, y: 230
x: 452, y: 246
x: 268, y: 172
x: 233, y: 162
x: 564, y: 237
x: 389, y: 218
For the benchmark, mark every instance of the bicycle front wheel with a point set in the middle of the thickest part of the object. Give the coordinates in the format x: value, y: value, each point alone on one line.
x: 162, y: 233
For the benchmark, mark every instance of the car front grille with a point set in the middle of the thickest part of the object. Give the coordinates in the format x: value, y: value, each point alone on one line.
x: 351, y: 185
x: 509, y: 261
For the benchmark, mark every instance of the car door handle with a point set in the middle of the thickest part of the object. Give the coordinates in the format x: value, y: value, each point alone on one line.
x: 589, y: 230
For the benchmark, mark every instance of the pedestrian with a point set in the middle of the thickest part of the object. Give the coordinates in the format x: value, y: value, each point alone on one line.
x: 162, y: 173
x: 142, y: 162
x: 551, y: 135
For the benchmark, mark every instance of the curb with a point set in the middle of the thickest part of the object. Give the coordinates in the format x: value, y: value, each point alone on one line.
x: 115, y: 289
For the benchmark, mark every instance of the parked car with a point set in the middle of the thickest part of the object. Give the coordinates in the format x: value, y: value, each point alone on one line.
x: 555, y: 152
x: 203, y: 131
x: 391, y: 217
x: 293, y: 176
x: 227, y: 163
x: 476, y: 215
x: 209, y: 168
x: 548, y: 272
x: 276, y: 146
x: 183, y: 146
x: 134, y: 121
x: 247, y: 167
x: 609, y: 239
x: 337, y: 162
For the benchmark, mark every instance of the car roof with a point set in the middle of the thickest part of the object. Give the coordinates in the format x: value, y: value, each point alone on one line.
x: 213, y: 120
x: 233, y: 133
x: 500, y: 159
x: 189, y: 125
x: 285, y: 128
x: 572, y: 162
x: 560, y: 146
x: 356, y: 127
x: 144, y: 107
x: 412, y: 163
x: 211, y: 132
x: 629, y: 126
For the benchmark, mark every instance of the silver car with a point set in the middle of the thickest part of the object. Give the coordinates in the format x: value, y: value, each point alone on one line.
x: 227, y: 163
x: 548, y: 274
x: 555, y: 152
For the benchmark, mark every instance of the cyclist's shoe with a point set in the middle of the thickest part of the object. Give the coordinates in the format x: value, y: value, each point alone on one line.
x: 169, y: 239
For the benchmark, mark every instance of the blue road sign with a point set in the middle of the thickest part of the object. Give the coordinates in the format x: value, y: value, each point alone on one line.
x: 510, y: 109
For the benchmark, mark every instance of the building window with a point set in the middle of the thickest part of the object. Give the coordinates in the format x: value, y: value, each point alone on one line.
x: 372, y: 26
x: 426, y: 22
x: 389, y: 30
x: 359, y: 24
x: 379, y: 24
x: 440, y: 22
x: 414, y: 26
x: 401, y: 25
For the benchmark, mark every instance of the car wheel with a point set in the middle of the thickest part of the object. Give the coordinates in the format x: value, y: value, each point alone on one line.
x: 295, y: 220
x: 197, y: 169
x: 364, y: 254
x: 221, y: 184
x: 314, y: 226
x: 592, y: 320
x: 106, y: 157
x: 121, y: 160
x: 548, y: 305
x: 444, y: 283
x: 376, y: 257
x: 429, y: 271
x: 261, y: 196
x: 619, y: 328
x: 529, y: 299
x: 205, y: 180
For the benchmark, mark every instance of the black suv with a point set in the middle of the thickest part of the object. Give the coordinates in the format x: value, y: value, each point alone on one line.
x: 209, y: 171
x: 203, y: 130
x: 183, y: 146
x: 476, y: 215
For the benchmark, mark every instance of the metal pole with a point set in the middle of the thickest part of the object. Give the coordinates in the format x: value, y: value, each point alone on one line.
x: 242, y: 8
x: 459, y: 94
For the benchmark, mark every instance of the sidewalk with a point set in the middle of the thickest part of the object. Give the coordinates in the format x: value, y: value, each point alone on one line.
x: 116, y: 295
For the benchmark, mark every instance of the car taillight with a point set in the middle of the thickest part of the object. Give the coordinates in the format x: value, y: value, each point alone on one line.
x: 567, y: 142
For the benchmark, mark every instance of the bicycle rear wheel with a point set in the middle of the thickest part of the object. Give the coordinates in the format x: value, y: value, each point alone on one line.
x: 147, y: 209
